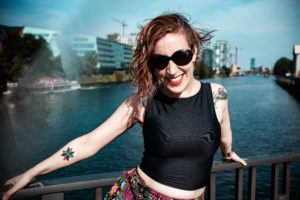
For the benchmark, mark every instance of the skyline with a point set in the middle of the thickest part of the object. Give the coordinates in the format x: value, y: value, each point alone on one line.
x: 265, y: 29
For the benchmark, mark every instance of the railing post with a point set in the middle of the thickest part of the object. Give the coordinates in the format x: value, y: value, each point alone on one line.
x: 239, y: 184
x: 286, y: 176
x: 251, y: 183
x: 274, y: 181
x: 54, y: 196
x: 212, y: 186
x: 98, y: 193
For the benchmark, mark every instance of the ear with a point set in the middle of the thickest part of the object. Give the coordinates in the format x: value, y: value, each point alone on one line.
x: 195, y: 53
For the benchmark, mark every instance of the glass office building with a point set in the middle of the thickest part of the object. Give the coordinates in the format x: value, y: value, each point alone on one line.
x: 208, y: 57
x: 221, y: 55
x: 252, y: 63
x: 112, y: 55
x: 49, y: 35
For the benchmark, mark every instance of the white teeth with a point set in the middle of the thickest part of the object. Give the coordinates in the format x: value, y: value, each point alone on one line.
x: 175, y: 79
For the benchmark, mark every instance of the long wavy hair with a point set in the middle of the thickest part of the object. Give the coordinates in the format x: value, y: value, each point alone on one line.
x: 144, y: 77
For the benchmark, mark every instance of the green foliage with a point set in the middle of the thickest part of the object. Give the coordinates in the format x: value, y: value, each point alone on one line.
x: 89, y: 63
x: 85, y: 66
x: 119, y: 75
x: 283, y: 66
x: 202, y: 71
x: 116, y: 77
x: 224, y: 71
x: 26, y: 57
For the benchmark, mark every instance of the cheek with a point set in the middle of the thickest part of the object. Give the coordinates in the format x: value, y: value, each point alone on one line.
x: 159, y: 74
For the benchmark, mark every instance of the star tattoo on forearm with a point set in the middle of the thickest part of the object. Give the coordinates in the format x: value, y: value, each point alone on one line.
x: 68, y: 154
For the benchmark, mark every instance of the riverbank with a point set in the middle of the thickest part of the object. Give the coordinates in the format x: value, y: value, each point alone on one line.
x: 116, y: 77
x: 292, y: 85
x: 52, y: 83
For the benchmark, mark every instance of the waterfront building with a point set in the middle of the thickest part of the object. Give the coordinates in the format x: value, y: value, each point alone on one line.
x: 49, y: 35
x: 112, y: 55
x: 208, y: 57
x: 130, y: 40
x: 235, y: 70
x: 113, y: 37
x: 296, y: 60
x: 252, y: 63
x: 83, y: 44
x: 221, y: 50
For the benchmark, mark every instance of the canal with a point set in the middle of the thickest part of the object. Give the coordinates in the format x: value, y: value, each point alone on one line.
x: 264, y: 121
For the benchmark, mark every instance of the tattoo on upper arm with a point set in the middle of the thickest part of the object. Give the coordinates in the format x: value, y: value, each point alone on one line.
x: 68, y: 154
x: 220, y: 94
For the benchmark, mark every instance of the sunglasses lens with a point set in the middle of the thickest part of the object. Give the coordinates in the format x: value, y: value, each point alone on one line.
x: 182, y: 57
x: 158, y: 61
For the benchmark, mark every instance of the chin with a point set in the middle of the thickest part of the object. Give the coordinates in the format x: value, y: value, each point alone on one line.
x: 175, y: 90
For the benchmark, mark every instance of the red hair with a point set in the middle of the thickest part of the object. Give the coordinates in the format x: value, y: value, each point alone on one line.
x: 144, y: 77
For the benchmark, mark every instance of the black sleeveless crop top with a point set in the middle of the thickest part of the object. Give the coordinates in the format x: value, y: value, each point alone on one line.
x: 181, y: 136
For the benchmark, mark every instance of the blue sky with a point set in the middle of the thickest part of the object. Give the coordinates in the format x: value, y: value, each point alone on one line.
x: 263, y: 29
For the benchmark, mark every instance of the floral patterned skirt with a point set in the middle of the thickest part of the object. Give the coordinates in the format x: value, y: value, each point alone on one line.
x: 131, y: 186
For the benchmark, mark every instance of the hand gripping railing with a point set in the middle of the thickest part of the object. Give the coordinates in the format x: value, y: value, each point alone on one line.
x: 54, y: 189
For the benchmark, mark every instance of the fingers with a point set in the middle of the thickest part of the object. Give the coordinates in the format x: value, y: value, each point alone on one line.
x: 6, y: 195
x: 236, y: 158
x: 240, y: 160
x: 9, y: 182
x: 14, y: 184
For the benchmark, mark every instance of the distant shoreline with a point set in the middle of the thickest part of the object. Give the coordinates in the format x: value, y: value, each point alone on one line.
x: 292, y: 85
x: 117, y: 77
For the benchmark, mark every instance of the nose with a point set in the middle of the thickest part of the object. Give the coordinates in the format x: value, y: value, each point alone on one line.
x: 172, y: 68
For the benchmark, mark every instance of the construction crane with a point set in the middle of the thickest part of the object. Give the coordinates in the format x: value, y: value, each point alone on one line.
x: 230, y: 59
x: 236, y: 53
x: 123, y: 24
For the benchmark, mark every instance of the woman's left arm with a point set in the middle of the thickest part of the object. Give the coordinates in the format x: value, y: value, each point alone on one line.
x: 221, y: 106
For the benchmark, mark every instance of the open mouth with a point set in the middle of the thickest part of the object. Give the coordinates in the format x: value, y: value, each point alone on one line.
x: 176, y: 80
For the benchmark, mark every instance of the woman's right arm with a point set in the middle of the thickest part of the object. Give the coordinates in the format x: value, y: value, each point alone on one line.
x: 82, y: 147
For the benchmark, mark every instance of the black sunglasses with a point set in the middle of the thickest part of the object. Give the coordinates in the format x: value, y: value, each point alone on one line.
x: 180, y: 57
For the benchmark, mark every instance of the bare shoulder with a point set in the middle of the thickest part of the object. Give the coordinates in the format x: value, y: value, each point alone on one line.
x: 216, y: 86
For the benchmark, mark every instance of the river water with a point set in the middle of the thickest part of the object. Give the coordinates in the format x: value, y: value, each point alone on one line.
x: 264, y: 121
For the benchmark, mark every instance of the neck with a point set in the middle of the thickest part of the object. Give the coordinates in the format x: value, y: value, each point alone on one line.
x: 191, y: 90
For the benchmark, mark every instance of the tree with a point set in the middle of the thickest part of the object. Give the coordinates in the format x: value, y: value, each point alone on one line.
x: 224, y: 71
x: 76, y: 66
x: 283, y: 66
x: 89, y: 63
x: 25, y: 57
x: 202, y: 71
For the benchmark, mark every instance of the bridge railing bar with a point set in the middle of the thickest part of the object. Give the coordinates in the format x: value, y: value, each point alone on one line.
x: 54, y: 189
x: 251, y: 183
x: 239, y: 183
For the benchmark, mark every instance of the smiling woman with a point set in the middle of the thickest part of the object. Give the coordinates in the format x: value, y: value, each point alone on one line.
x: 183, y: 123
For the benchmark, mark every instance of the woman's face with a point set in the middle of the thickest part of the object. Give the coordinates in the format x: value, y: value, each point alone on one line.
x: 176, y: 81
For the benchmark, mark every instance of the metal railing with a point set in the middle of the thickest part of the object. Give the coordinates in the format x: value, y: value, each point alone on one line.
x: 54, y: 189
